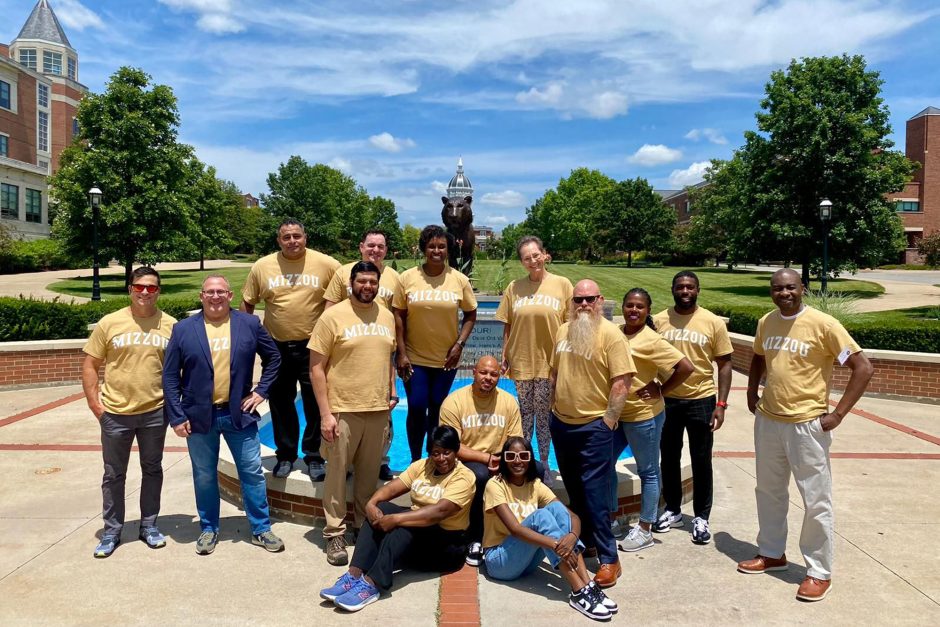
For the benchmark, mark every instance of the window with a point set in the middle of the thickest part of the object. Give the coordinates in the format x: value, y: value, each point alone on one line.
x: 51, y: 62
x: 43, y: 94
x: 72, y: 68
x: 75, y: 128
x: 688, y: 207
x: 43, y: 164
x: 43, y: 132
x: 5, y: 100
x: 4, y: 146
x: 33, y: 205
x: 907, y: 206
x: 28, y: 57
x: 9, y: 201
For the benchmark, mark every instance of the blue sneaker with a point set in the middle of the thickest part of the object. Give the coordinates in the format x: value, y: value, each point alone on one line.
x: 152, y: 537
x: 106, y: 545
x: 343, y: 585
x: 359, y: 596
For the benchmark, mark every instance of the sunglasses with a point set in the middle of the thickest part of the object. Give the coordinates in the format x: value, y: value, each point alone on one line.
x: 585, y: 299
x: 522, y: 456
x: 150, y: 289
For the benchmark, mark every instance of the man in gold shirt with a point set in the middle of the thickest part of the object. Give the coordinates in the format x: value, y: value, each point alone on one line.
x: 796, y: 347
x: 292, y: 284
x: 351, y: 368
x: 372, y: 247
x: 130, y: 344
x: 485, y: 417
x: 591, y: 375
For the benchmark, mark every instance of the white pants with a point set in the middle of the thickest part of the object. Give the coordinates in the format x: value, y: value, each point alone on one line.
x: 802, y: 449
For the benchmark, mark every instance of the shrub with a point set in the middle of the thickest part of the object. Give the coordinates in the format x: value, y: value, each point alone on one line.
x: 36, y: 255
x: 929, y: 248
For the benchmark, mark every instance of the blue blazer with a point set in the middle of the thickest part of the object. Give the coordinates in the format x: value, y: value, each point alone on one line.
x: 188, y: 375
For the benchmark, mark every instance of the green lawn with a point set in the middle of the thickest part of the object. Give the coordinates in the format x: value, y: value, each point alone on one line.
x: 719, y: 287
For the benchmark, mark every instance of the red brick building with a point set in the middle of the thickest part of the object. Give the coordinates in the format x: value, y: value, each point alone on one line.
x: 39, y: 95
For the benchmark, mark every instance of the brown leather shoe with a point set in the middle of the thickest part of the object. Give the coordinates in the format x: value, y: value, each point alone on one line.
x: 763, y: 564
x: 608, y: 574
x: 813, y: 589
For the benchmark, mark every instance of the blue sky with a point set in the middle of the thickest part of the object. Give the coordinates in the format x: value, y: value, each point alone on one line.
x: 393, y: 92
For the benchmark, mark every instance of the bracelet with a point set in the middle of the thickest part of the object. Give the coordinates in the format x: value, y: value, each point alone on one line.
x: 722, y: 404
x: 461, y: 344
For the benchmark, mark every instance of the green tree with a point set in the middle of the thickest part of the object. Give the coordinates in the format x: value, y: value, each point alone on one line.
x: 822, y: 132
x: 127, y: 146
x: 929, y: 248
x: 409, y: 241
x: 384, y: 215
x: 250, y: 228
x: 635, y: 219
x: 505, y: 246
x: 212, y: 204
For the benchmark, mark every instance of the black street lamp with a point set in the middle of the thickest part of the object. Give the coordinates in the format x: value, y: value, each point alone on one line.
x: 94, y: 198
x: 825, y: 215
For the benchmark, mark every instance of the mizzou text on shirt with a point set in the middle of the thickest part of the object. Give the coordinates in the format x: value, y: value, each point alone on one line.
x: 799, y: 353
x: 522, y: 500
x: 338, y: 290
x: 220, y: 347
x: 358, y: 344
x: 534, y: 311
x: 652, y: 355
x: 292, y: 292
x: 132, y: 349
x: 701, y: 336
x: 427, y: 488
x: 484, y: 425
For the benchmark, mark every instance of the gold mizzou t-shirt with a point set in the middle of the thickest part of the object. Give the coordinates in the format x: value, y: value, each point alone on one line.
x: 292, y: 292
x: 427, y: 488
x: 484, y: 424
x: 132, y: 349
x: 220, y: 347
x: 651, y: 355
x: 582, y: 386
x: 534, y: 312
x: 339, y: 290
x: 432, y: 303
x: 522, y: 501
x: 358, y: 344
x: 799, y: 352
x: 701, y: 336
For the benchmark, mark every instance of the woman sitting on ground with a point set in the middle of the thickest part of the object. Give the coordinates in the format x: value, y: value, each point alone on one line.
x: 429, y: 536
x: 524, y: 522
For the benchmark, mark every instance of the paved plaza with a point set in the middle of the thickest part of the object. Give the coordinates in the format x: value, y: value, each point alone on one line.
x: 886, y: 466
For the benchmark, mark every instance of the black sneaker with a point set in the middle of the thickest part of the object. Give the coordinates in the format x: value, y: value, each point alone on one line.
x: 474, y: 554
x: 669, y: 520
x: 282, y: 469
x: 385, y: 473
x: 700, y: 531
x: 605, y: 600
x: 586, y: 603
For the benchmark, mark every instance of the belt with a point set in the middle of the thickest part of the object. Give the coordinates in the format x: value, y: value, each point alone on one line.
x: 220, y: 406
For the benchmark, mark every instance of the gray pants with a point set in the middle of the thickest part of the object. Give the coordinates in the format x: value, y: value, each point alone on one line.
x: 117, y: 436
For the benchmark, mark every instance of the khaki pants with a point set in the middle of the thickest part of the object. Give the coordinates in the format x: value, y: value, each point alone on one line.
x: 801, y: 449
x: 360, y: 442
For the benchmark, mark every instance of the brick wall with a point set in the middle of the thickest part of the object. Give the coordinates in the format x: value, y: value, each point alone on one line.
x: 907, y: 376
x: 40, y: 363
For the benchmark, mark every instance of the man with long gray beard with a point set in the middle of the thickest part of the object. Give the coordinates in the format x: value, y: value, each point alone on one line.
x: 591, y: 375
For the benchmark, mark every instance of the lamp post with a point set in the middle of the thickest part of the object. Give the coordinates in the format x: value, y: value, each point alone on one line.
x: 94, y: 198
x: 825, y: 215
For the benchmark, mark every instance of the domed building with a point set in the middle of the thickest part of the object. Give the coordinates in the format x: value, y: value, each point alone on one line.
x: 460, y: 185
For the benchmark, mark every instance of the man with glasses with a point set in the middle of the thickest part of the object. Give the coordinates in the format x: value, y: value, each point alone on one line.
x: 207, y: 377
x: 291, y: 283
x: 130, y: 344
x: 485, y: 417
x: 591, y: 375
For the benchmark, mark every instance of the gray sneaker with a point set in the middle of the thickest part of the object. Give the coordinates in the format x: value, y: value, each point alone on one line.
x: 317, y: 470
x: 205, y: 543
x: 336, y: 551
x: 282, y: 469
x: 636, y: 540
x: 269, y: 541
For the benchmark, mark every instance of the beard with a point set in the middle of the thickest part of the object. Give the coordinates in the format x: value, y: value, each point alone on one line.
x: 582, y: 332
x: 363, y: 297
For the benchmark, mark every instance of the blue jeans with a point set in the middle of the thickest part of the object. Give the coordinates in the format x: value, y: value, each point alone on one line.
x: 516, y: 558
x: 643, y: 438
x: 427, y: 388
x: 246, y: 451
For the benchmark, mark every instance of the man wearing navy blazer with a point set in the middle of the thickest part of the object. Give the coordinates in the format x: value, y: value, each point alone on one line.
x: 207, y: 377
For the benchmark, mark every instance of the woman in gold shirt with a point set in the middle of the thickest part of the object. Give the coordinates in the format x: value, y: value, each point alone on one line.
x: 429, y: 346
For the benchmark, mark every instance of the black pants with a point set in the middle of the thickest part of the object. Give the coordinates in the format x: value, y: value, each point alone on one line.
x: 482, y: 474
x: 379, y: 554
x: 694, y: 416
x: 295, y: 367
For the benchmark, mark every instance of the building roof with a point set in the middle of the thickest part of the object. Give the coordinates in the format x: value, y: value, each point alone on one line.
x: 927, y: 111
x: 42, y: 24
x: 666, y: 193
x: 460, y: 185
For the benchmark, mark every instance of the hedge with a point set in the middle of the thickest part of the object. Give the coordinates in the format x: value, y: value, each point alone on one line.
x: 37, y: 255
x: 23, y: 319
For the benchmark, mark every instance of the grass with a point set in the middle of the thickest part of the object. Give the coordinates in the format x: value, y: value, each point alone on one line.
x: 719, y: 287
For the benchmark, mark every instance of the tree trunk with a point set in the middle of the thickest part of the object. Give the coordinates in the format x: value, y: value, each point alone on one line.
x: 629, y: 258
x: 805, y: 275
x: 128, y: 269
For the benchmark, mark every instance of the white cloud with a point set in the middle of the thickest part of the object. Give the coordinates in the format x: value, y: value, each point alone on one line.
x: 710, y: 134
x: 389, y: 143
x: 344, y: 165
x: 507, y: 198
x: 690, y: 176
x: 439, y: 187
x: 215, y: 16
x: 219, y: 24
x: 654, y: 154
x: 550, y: 95
x: 75, y: 15
x: 607, y: 105
x: 493, y: 219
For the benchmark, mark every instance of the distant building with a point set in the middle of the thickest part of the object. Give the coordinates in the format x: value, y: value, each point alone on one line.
x: 39, y: 95
x: 678, y: 199
x: 483, y: 236
x: 459, y: 185
x: 251, y: 201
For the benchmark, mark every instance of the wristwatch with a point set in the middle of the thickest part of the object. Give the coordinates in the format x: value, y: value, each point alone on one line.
x: 461, y: 343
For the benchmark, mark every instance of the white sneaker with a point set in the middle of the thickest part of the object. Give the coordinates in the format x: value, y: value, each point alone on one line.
x: 475, y: 554
x: 589, y: 605
x: 636, y: 540
x: 700, y: 532
x: 667, y: 521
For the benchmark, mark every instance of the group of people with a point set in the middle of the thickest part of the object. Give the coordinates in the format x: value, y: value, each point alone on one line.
x: 584, y: 384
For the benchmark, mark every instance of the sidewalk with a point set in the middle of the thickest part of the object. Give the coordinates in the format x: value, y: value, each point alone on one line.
x: 50, y: 471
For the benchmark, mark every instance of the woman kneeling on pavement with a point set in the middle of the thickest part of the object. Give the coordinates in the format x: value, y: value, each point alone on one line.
x: 429, y: 536
x: 524, y: 522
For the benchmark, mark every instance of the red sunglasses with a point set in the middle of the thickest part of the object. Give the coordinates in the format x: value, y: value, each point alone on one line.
x: 150, y: 289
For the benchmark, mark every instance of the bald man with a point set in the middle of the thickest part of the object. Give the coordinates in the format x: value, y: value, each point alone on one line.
x: 795, y: 347
x: 591, y: 375
x: 485, y: 417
